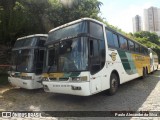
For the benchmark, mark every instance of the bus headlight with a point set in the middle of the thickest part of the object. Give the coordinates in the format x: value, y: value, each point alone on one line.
x: 45, y: 79
x: 83, y: 78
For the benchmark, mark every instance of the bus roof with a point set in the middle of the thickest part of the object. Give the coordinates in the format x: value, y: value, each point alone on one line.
x: 35, y: 35
x: 90, y: 19
x: 76, y: 21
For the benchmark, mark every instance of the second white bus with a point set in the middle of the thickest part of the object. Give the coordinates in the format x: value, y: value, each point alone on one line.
x: 27, y: 61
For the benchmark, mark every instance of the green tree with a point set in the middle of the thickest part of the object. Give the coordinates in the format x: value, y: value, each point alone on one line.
x: 149, y: 36
x: 151, y: 40
x: 23, y: 17
x: 6, y: 7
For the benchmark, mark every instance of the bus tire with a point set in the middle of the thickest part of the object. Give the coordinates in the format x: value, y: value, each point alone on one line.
x: 113, y: 84
x: 144, y: 73
x: 147, y: 72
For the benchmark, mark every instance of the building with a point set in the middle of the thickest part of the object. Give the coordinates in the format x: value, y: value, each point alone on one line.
x: 152, y: 20
x: 137, y: 24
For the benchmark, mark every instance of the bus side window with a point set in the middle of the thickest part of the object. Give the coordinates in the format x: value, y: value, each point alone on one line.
x: 96, y: 30
x: 115, y: 38
x: 112, y: 39
x: 123, y: 43
x: 137, y: 48
x: 94, y: 56
x: 41, y: 43
x: 131, y: 46
x: 144, y: 50
x: 141, y: 49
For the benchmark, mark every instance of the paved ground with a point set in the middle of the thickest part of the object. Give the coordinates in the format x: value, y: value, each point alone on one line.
x: 136, y: 95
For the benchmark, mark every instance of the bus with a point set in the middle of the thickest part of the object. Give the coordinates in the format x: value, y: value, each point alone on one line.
x: 85, y: 57
x: 153, y: 60
x: 27, y: 61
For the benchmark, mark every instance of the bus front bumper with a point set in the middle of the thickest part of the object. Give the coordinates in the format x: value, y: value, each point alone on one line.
x: 27, y: 84
x: 80, y: 88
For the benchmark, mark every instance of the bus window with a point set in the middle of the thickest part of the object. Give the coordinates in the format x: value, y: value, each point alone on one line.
x: 96, y: 30
x: 144, y: 50
x: 115, y: 38
x: 141, y: 50
x: 137, y: 47
x: 112, y: 39
x: 41, y: 43
x: 131, y: 45
x: 123, y: 43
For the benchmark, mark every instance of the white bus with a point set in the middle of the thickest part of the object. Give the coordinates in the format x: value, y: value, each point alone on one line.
x: 27, y: 61
x: 85, y: 57
x: 153, y: 60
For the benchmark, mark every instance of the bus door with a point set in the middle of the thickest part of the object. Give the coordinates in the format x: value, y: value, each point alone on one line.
x: 95, y: 66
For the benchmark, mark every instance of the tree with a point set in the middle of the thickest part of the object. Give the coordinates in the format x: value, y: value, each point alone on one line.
x: 6, y: 7
x: 151, y: 40
x: 24, y: 17
x: 149, y: 36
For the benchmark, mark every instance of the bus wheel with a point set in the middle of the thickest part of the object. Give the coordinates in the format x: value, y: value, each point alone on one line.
x: 147, y: 72
x: 144, y: 73
x: 113, y: 84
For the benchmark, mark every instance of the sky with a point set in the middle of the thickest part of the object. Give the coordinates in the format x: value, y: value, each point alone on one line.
x: 119, y: 13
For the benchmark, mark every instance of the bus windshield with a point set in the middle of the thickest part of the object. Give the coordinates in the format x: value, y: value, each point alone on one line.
x: 71, y: 31
x: 22, y: 60
x: 26, y: 42
x: 68, y: 56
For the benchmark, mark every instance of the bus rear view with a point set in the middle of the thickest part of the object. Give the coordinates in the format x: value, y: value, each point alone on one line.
x: 27, y: 61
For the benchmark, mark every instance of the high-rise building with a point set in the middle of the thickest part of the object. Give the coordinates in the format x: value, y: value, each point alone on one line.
x: 137, y: 24
x: 152, y: 20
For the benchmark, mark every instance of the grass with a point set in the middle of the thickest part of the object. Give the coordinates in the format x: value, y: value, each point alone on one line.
x: 3, y: 79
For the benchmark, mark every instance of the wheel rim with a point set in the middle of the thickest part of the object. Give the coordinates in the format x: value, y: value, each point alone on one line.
x: 114, y: 84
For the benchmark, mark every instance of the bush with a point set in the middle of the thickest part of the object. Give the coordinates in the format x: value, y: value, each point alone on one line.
x: 3, y: 79
x: 4, y: 70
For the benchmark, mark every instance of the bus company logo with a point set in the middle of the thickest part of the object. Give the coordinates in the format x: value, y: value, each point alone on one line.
x: 113, y: 56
